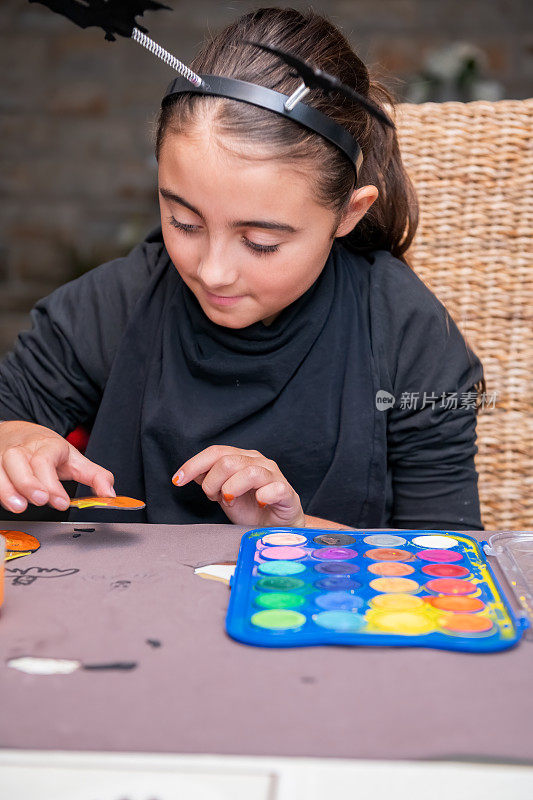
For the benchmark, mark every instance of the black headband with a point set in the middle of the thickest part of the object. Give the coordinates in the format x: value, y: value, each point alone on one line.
x: 273, y: 101
x: 119, y: 17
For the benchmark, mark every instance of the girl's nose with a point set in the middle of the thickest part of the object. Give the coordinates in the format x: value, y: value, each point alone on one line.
x: 216, y: 269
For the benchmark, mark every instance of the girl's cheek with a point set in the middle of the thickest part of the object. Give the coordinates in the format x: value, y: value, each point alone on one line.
x: 183, y: 261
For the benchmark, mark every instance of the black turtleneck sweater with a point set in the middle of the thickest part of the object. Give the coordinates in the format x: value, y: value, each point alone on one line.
x: 362, y: 390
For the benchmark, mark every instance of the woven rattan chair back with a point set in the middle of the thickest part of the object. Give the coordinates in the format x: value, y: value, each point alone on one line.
x: 472, y: 167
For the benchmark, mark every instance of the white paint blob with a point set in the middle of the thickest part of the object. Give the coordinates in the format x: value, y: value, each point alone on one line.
x: 44, y: 666
x: 437, y: 542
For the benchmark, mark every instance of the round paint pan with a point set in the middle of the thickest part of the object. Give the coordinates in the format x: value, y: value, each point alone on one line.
x: 336, y: 568
x: 284, y: 553
x: 339, y: 601
x: 466, y: 624
x: 337, y: 583
x: 334, y: 539
x: 388, y: 585
x: 450, y: 586
x: 341, y: 621
x: 389, y: 554
x: 391, y: 569
x: 287, y: 539
x: 435, y: 541
x: 457, y: 603
x: 279, y: 600
x: 406, y: 623
x: 279, y: 584
x: 274, y: 619
x: 384, y: 540
x: 396, y: 602
x: 281, y: 568
x: 439, y: 556
x: 445, y: 571
x: 334, y: 554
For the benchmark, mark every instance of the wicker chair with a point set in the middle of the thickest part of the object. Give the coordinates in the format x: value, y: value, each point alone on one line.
x: 472, y: 166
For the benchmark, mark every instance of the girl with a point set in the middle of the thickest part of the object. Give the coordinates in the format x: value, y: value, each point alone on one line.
x: 266, y: 356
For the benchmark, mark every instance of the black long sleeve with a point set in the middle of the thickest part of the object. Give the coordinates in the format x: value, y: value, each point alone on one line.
x: 56, y: 373
x: 425, y: 364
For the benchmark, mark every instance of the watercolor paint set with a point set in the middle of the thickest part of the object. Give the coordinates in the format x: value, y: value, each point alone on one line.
x: 299, y: 586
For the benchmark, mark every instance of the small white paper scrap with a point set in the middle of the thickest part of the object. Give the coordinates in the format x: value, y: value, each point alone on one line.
x: 216, y: 572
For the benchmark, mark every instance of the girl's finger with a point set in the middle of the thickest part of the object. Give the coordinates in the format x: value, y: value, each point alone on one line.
x: 200, y: 478
x: 84, y: 471
x: 16, y: 464
x: 9, y: 497
x: 283, y: 503
x: 252, y: 476
x: 45, y: 470
x: 204, y: 461
x: 278, y: 494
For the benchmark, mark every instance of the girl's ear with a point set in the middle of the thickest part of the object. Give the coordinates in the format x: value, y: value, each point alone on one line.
x: 359, y: 203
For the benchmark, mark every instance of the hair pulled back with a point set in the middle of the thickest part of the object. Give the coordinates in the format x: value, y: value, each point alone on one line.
x: 391, y: 222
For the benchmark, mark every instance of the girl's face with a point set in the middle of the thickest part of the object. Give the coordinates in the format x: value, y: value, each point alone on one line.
x: 246, y: 236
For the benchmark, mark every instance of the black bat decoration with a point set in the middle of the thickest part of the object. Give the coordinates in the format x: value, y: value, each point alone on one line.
x: 317, y: 78
x: 113, y: 16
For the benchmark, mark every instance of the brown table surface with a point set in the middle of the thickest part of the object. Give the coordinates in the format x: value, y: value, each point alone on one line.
x: 202, y: 692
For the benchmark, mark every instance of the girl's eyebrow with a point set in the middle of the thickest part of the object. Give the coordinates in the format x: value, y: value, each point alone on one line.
x: 250, y: 223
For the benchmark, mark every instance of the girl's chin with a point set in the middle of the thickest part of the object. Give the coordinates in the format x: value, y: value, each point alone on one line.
x: 228, y: 317
x: 233, y: 316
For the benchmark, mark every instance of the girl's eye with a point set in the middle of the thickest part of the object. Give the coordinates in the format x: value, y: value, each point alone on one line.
x: 259, y: 249
x: 181, y: 226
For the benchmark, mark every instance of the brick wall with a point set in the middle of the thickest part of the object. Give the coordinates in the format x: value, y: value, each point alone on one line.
x: 77, y: 171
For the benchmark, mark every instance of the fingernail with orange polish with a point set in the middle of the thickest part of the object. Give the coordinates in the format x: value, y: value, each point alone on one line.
x: 260, y: 504
x: 228, y: 498
x: 178, y: 477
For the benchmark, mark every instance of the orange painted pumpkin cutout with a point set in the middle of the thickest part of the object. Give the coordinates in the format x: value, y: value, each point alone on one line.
x: 19, y: 541
x: 128, y: 503
x: 19, y: 544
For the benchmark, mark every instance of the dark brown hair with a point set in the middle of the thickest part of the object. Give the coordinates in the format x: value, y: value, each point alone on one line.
x: 391, y: 222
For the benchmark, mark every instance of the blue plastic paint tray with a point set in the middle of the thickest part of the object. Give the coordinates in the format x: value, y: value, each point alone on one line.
x: 301, y: 586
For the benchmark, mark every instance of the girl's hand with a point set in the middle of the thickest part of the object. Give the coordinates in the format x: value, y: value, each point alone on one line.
x: 249, y: 487
x: 33, y: 460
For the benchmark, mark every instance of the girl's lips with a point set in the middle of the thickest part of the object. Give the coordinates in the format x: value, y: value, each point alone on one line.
x: 223, y: 301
